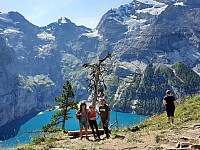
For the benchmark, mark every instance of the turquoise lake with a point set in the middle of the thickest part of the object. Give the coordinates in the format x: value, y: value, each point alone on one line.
x: 42, y: 118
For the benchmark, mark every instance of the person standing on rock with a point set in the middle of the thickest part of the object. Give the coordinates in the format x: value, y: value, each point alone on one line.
x: 104, y: 111
x: 83, y: 119
x: 170, y: 103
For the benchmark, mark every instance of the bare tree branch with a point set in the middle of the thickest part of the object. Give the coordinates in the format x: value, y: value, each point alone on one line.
x: 96, y: 82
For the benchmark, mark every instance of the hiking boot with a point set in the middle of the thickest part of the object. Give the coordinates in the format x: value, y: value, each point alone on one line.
x: 107, y: 136
x: 95, y: 137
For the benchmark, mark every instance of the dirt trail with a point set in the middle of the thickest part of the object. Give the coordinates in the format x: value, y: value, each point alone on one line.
x: 173, y: 138
x: 167, y: 139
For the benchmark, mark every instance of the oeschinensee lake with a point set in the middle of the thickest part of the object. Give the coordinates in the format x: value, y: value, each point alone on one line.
x: 42, y: 118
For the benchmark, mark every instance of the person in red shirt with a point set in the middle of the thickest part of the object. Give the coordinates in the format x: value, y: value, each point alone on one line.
x: 92, y: 117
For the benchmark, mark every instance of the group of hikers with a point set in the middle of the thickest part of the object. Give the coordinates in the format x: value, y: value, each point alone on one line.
x: 90, y: 116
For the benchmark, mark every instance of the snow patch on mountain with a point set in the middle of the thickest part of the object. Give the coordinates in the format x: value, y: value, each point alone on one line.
x: 11, y: 33
x: 63, y: 20
x: 123, y: 67
x: 94, y: 33
x: 117, y: 96
x: 197, y: 69
x: 134, y: 24
x: 45, y: 36
x: 133, y: 65
x: 45, y: 50
x: 183, y: 55
x: 134, y: 16
x: 124, y: 83
x: 150, y: 2
x: 11, y: 30
x: 123, y: 11
x: 155, y: 10
x: 179, y: 4
x: 21, y: 58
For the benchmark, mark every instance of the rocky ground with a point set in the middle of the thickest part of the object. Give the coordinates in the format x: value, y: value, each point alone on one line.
x: 173, y: 137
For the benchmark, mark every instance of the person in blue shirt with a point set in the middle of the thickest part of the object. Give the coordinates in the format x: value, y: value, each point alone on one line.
x: 170, y: 103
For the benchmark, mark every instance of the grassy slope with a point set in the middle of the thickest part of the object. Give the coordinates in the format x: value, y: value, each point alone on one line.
x: 152, y: 132
x: 186, y: 113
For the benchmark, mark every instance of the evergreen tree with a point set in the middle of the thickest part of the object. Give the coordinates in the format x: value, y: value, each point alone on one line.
x: 65, y: 105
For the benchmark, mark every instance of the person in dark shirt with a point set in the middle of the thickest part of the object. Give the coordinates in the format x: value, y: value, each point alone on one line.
x: 170, y: 103
x: 104, y: 111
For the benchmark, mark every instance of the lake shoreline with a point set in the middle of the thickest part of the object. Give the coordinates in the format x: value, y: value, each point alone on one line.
x: 40, y: 119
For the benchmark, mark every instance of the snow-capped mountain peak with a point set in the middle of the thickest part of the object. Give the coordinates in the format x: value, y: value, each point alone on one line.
x: 150, y: 2
x: 64, y: 20
x: 133, y: 17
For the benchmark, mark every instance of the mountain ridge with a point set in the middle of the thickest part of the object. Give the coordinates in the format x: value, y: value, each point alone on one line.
x: 138, y: 34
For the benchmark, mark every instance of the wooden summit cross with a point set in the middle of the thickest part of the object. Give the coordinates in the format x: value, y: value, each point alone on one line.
x: 96, y: 81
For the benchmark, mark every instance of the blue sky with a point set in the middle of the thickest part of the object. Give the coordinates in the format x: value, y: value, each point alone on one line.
x: 43, y: 12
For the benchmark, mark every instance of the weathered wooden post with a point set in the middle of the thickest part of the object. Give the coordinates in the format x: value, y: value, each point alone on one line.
x: 95, y: 74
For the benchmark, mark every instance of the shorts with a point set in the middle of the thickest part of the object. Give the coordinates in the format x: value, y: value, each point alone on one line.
x: 83, y: 124
x: 170, y: 111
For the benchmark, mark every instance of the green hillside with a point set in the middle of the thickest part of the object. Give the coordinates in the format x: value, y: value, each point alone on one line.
x: 186, y: 113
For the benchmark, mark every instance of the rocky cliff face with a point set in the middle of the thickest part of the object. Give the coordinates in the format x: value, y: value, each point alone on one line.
x: 157, y: 32
x: 6, y: 90
x: 20, y: 94
x: 34, y: 63
x: 146, y: 38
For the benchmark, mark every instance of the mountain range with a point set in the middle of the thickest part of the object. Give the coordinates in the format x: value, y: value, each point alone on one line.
x: 155, y: 46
